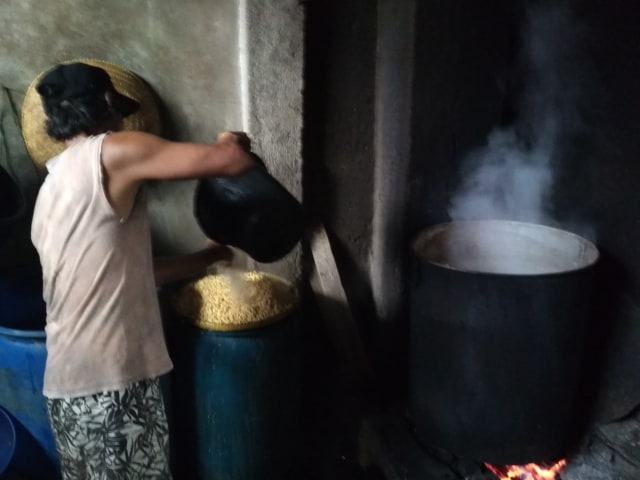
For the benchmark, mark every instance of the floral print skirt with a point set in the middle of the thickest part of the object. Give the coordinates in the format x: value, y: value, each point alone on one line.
x: 113, y: 435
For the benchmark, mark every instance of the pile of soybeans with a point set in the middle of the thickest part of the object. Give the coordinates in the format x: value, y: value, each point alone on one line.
x: 233, y: 299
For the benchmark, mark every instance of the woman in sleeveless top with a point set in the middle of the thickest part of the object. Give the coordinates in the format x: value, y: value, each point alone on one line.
x: 105, y: 342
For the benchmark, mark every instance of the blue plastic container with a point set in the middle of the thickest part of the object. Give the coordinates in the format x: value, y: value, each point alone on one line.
x: 21, y: 456
x: 235, y: 401
x: 22, y: 359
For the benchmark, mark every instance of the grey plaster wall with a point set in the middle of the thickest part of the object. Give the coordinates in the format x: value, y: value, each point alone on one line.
x: 339, y: 135
x: 214, y: 64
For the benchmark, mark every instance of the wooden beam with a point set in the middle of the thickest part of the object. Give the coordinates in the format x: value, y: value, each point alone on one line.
x: 334, y: 307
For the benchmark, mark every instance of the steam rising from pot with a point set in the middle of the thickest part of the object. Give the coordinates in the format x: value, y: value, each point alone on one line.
x: 508, y: 181
x: 511, y: 177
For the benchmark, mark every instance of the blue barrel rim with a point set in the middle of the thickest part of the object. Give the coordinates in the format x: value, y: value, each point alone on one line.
x: 177, y: 321
x: 4, y: 416
x: 15, y: 332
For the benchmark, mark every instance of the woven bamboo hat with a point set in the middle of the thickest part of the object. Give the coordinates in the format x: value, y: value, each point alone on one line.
x: 42, y: 147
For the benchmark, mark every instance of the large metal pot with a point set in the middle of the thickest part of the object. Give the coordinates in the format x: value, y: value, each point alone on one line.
x: 499, y: 313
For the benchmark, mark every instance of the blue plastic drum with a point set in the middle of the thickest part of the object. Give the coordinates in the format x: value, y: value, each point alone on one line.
x: 22, y: 360
x: 21, y: 456
x: 236, y: 400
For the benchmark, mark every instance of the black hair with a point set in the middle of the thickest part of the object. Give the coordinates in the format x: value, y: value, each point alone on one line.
x: 85, y: 115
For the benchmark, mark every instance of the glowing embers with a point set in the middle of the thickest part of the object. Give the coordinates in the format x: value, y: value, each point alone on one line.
x: 531, y: 471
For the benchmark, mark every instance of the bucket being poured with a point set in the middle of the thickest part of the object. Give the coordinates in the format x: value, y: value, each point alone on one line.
x: 253, y: 212
x: 499, y: 312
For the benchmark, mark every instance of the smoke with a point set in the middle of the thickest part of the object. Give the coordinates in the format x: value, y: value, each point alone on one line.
x: 511, y: 177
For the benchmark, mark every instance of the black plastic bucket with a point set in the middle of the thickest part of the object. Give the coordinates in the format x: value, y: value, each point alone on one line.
x: 253, y: 212
x: 499, y: 315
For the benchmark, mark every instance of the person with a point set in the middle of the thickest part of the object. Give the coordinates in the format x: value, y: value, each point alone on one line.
x: 105, y: 343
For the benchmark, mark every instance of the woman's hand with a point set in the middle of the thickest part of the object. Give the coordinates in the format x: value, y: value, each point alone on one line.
x: 215, y: 252
x: 169, y: 269
x: 240, y: 138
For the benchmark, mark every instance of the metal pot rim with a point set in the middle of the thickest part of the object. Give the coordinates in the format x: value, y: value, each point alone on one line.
x: 552, y: 250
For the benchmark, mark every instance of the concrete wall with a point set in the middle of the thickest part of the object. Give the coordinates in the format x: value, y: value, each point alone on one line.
x: 215, y: 65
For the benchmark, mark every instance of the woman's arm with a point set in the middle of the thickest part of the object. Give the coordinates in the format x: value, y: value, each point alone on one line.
x: 137, y: 156
x: 130, y: 157
x: 169, y: 269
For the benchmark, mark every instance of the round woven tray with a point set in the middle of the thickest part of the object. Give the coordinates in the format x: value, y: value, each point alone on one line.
x: 41, y: 147
x: 282, y: 292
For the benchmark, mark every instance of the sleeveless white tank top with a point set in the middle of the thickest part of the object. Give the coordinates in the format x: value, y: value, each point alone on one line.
x: 104, y: 329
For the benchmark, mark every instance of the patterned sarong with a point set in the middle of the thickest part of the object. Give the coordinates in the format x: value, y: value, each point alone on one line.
x: 112, y: 435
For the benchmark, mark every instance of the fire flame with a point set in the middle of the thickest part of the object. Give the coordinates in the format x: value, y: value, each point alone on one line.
x: 531, y: 471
